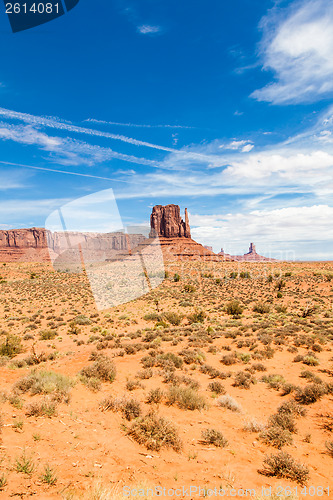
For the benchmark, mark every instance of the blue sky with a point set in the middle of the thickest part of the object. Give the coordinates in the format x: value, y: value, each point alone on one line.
x: 221, y: 107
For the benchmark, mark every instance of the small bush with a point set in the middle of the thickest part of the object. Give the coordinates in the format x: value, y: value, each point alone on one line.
x: 82, y: 320
x: 276, y: 436
x: 172, y: 317
x: 47, y: 334
x: 103, y: 368
x: 233, y: 308
x: 216, y: 387
x: 229, y: 402
x: 45, y: 382
x: 44, y: 408
x: 214, y: 437
x: 261, y: 308
x: 197, y: 317
x: 11, y: 347
x: 329, y: 447
x: 310, y: 361
x: 274, y: 381
x: 283, y: 420
x: 253, y: 425
x: 155, y: 432
x: 229, y: 359
x: 284, y: 465
x: 186, y: 398
x: 292, y: 408
x: 310, y: 394
x: 243, y: 380
x: 155, y: 396
x: 48, y: 476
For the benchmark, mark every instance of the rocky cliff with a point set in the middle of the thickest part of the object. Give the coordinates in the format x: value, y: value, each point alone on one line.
x: 165, y: 221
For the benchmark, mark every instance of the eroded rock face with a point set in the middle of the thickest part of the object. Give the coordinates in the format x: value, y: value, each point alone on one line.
x: 23, y: 238
x: 165, y: 221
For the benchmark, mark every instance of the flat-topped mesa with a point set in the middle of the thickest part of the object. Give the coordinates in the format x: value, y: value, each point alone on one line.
x: 165, y: 221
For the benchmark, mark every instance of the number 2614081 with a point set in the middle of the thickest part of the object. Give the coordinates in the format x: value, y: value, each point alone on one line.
x: 35, y: 8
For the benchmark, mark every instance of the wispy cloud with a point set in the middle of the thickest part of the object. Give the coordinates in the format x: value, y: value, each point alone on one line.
x: 297, y: 48
x: 148, y: 29
x: 137, y: 125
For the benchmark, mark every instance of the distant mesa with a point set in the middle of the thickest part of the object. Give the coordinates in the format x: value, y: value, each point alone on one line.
x: 166, y: 223
x: 250, y: 256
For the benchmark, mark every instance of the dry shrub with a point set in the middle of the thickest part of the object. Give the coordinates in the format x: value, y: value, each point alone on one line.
x: 155, y: 432
x: 103, y: 369
x: 214, y: 437
x: 186, y: 398
x: 284, y: 465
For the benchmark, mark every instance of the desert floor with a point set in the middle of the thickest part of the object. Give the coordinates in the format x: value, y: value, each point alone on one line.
x: 216, y: 347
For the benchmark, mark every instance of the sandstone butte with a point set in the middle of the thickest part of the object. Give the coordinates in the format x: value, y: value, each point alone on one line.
x: 166, y: 223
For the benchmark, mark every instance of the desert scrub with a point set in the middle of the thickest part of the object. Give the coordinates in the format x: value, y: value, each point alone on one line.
x: 130, y: 408
x: 48, y: 476
x: 229, y: 402
x: 44, y: 408
x: 274, y: 381
x: 233, y: 308
x: 197, y: 317
x: 172, y: 317
x: 243, y: 380
x: 216, y: 387
x: 155, y: 396
x: 283, y: 465
x: 283, y: 420
x: 261, y: 308
x: 292, y: 408
x: 45, y: 382
x: 103, y: 369
x: 310, y: 393
x: 329, y: 448
x: 25, y: 464
x: 186, y: 398
x: 47, y: 334
x: 253, y: 425
x: 155, y: 432
x: 214, y: 437
x: 276, y: 436
x: 11, y: 346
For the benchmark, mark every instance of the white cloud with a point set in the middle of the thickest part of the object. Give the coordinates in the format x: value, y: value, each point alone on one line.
x: 297, y: 47
x: 147, y: 29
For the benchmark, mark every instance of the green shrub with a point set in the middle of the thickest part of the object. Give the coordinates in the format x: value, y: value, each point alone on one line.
x: 197, y: 317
